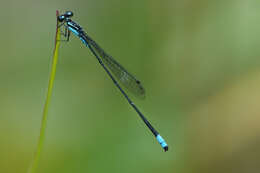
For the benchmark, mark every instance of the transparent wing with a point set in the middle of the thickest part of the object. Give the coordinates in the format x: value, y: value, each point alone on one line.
x: 124, y: 77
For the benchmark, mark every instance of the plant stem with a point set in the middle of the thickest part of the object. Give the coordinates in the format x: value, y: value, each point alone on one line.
x: 36, y: 158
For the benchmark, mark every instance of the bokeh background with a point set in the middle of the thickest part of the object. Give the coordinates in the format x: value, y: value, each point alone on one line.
x: 198, y: 61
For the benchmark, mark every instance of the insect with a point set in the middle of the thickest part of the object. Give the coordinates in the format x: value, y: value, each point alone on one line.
x: 111, y: 66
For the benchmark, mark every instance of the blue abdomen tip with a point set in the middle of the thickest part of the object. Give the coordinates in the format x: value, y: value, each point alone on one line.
x: 162, y: 142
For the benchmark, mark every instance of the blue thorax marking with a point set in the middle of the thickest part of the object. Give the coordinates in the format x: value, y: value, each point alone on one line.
x: 74, y: 31
x: 84, y: 42
x: 73, y: 27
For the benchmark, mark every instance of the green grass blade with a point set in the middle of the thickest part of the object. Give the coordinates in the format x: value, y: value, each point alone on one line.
x: 36, y: 158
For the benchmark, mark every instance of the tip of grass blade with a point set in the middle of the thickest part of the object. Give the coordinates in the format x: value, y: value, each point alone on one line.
x: 35, y: 161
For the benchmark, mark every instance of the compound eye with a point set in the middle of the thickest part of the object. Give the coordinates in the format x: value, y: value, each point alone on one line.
x: 61, y: 18
x: 69, y: 13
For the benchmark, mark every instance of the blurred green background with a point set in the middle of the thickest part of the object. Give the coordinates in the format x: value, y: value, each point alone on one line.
x: 198, y: 61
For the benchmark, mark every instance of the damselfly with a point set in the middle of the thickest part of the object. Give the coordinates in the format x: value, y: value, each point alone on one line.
x: 110, y: 64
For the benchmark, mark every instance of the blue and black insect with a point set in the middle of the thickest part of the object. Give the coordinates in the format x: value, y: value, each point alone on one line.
x: 111, y: 66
